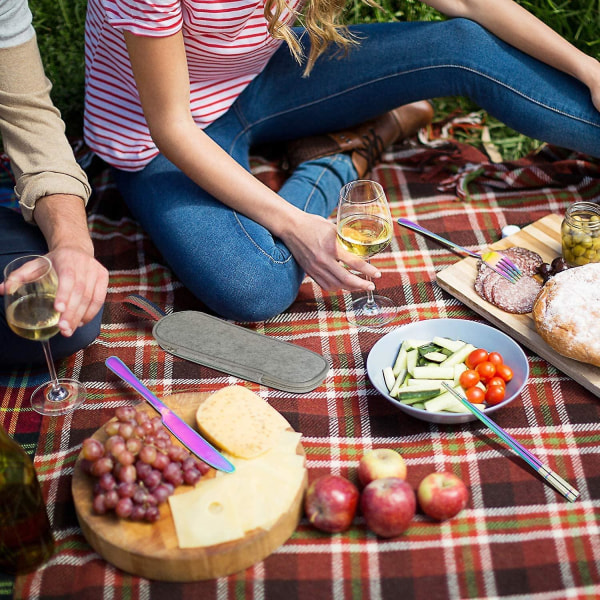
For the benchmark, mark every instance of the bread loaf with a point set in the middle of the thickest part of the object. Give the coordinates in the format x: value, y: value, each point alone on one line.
x: 567, y: 313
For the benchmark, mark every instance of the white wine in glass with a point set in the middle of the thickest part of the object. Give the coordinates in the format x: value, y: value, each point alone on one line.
x: 364, y: 227
x: 30, y: 290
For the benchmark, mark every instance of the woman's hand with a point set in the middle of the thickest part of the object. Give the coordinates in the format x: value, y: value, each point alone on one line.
x: 594, y: 82
x: 313, y: 242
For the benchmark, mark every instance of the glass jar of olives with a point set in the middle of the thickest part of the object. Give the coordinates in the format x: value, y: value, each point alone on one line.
x: 580, y: 234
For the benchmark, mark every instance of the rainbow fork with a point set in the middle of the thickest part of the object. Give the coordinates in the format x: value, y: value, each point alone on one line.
x: 498, y: 262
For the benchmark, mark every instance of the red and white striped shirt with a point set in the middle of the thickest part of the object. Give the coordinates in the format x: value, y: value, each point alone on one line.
x: 226, y: 42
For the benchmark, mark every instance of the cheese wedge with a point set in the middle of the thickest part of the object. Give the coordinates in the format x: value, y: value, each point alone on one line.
x: 240, y: 422
x: 254, y: 496
x: 214, y: 511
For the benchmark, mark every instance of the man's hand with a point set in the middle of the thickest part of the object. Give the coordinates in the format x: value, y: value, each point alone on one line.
x: 82, y: 280
x: 82, y: 286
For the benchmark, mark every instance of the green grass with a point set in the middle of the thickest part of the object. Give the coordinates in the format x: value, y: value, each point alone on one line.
x: 60, y: 26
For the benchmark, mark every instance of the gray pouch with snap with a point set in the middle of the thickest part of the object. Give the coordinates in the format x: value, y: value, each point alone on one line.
x: 232, y: 349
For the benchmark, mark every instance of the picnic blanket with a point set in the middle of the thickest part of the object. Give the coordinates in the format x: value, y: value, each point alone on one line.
x: 517, y: 538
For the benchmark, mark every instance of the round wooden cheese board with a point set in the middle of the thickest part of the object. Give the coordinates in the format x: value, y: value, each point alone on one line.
x: 151, y: 550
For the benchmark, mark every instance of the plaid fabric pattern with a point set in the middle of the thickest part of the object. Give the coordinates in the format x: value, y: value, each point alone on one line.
x: 517, y: 538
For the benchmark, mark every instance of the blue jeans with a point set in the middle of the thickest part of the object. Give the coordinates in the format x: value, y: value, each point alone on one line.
x: 17, y: 238
x: 235, y: 266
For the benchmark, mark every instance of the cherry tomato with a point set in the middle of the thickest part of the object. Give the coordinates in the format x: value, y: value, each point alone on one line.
x: 476, y: 357
x: 494, y: 394
x: 475, y: 395
x: 469, y: 378
x: 496, y: 381
x: 495, y: 358
x: 486, y: 370
x: 505, y: 372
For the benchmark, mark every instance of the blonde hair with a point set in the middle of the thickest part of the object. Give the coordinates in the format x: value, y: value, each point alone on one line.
x: 322, y: 21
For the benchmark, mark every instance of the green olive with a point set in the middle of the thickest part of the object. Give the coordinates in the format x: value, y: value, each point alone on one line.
x: 567, y: 240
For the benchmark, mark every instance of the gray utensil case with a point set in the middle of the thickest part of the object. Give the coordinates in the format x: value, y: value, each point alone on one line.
x: 232, y: 349
x: 237, y: 351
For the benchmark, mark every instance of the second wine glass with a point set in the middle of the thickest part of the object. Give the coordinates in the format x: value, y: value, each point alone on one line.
x: 364, y: 227
x: 30, y: 289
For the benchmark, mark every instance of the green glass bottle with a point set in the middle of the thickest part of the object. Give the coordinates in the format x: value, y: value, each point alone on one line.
x: 26, y: 539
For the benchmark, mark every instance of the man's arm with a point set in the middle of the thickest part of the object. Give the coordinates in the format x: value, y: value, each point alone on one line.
x: 51, y: 187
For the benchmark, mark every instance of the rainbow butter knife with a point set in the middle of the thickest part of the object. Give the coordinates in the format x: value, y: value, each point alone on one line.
x: 190, y: 438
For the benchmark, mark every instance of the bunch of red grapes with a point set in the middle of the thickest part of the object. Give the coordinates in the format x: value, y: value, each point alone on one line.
x: 138, y: 466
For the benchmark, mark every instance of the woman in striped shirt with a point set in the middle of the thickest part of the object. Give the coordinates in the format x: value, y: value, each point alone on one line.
x: 177, y: 91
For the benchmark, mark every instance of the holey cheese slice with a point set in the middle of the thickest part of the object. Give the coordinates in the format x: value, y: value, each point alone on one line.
x: 240, y: 422
x: 254, y: 496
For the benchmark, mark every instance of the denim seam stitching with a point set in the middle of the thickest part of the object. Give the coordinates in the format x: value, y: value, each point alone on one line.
x: 257, y: 246
x: 334, y: 158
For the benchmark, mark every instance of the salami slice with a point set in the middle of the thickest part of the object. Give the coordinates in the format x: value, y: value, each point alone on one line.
x: 482, y: 273
x: 517, y: 298
x: 489, y: 283
x: 527, y: 260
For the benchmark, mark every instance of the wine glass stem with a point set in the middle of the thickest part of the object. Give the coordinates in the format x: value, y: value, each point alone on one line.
x: 370, y: 294
x: 56, y: 392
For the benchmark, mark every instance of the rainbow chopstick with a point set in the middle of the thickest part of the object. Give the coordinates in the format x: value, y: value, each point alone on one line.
x: 569, y: 492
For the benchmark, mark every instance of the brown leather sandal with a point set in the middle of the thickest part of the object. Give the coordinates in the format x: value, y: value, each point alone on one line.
x: 366, y: 142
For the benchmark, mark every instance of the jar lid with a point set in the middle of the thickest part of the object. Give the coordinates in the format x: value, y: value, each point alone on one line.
x: 510, y: 230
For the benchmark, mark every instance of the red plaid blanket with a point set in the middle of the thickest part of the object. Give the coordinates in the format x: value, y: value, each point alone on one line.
x: 516, y: 539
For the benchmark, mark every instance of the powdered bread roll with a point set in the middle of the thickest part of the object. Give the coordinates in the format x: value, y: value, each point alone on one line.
x: 240, y: 422
x: 567, y: 313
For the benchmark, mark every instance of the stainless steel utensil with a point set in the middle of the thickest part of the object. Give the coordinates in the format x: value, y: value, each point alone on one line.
x: 190, y: 438
x: 495, y: 260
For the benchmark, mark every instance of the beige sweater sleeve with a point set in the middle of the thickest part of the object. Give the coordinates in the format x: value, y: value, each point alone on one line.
x: 33, y: 133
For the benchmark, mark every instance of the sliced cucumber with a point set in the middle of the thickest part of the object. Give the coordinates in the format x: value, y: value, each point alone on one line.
x: 459, y: 369
x: 400, y: 362
x: 412, y: 344
x: 427, y: 348
x: 407, y: 396
x: 452, y: 345
x: 413, y: 383
x: 412, y: 356
x: 437, y: 372
x: 436, y: 357
x: 389, y: 378
x: 398, y: 383
x: 458, y: 356
x: 445, y: 402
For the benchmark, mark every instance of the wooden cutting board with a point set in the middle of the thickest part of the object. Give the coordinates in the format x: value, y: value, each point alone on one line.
x: 151, y: 550
x: 543, y: 237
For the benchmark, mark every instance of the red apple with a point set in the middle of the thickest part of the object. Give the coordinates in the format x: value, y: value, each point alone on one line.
x: 380, y: 463
x: 388, y: 505
x: 442, y: 495
x: 330, y: 503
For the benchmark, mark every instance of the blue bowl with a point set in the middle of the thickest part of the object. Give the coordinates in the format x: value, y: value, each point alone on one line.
x: 384, y: 353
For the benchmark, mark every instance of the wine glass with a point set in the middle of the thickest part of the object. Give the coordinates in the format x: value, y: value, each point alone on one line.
x: 30, y: 289
x: 364, y: 227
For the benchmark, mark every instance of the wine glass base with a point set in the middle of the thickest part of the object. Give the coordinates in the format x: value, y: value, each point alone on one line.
x: 71, y: 394
x: 376, y: 315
